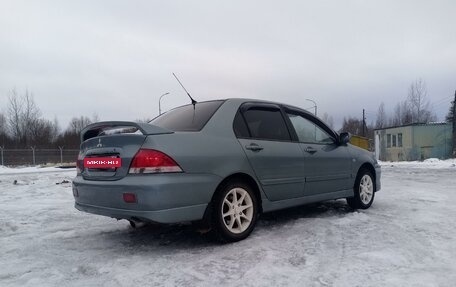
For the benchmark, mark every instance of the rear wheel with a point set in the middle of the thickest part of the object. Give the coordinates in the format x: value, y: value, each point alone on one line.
x: 364, y: 191
x: 235, y: 212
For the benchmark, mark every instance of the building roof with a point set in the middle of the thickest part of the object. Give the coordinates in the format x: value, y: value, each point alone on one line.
x: 415, y: 124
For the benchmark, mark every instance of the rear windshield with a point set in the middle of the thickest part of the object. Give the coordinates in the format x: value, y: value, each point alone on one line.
x: 187, y: 118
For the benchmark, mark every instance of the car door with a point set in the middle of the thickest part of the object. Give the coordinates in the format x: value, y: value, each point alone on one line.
x: 326, y: 163
x: 276, y: 160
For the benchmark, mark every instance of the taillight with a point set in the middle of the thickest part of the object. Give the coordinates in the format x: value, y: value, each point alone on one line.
x: 80, y: 163
x: 153, y: 161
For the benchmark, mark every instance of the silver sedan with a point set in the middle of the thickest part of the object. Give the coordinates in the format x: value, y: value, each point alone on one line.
x: 220, y: 163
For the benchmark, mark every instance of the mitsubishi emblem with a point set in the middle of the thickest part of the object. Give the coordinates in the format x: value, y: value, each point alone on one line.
x: 99, y: 143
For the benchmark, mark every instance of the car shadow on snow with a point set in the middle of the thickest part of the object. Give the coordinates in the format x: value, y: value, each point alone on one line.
x: 332, y: 208
x: 173, y: 234
x: 188, y: 236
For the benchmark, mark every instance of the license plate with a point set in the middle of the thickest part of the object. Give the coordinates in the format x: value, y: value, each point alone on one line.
x: 102, y: 162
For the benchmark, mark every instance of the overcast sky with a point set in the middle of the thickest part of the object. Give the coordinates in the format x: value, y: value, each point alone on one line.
x: 115, y: 58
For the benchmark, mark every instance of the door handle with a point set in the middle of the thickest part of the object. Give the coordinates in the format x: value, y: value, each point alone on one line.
x: 253, y: 147
x: 310, y: 149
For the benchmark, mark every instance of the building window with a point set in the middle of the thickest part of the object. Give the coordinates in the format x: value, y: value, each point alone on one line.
x: 394, y: 141
x: 388, y: 140
x: 399, y: 140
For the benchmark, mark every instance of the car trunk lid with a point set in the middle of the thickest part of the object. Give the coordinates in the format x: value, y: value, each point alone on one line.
x: 107, y: 142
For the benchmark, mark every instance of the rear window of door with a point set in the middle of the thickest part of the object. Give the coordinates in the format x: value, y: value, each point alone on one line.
x: 266, y: 124
x: 187, y: 118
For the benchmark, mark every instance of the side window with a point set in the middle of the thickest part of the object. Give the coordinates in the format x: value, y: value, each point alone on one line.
x: 266, y: 124
x: 388, y: 140
x: 239, y: 126
x: 308, y: 131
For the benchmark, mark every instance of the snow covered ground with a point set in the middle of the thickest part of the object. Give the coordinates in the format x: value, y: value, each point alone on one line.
x: 407, y: 238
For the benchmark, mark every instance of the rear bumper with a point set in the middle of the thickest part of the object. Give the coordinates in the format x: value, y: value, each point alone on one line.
x: 180, y: 214
x: 162, y: 198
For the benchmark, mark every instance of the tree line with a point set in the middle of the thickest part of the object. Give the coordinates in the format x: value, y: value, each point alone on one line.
x: 415, y: 108
x: 22, y: 126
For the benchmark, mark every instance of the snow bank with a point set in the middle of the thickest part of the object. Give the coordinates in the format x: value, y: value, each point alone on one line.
x: 432, y: 163
x: 31, y: 169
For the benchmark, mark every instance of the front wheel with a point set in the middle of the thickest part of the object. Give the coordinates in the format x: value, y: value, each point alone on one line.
x: 235, y: 212
x: 364, y: 191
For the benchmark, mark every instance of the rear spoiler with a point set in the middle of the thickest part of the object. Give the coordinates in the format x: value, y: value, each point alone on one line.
x: 96, y: 129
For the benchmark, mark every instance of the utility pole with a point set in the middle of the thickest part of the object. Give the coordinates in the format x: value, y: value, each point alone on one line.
x: 315, y: 105
x: 364, y: 123
x: 454, y: 125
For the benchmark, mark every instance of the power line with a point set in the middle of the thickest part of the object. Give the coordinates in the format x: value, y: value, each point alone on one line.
x: 443, y: 104
x: 441, y: 101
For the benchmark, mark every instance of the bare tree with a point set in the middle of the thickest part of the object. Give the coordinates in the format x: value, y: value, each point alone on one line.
x: 382, y: 119
x: 44, y: 134
x: 402, y: 114
x: 70, y: 137
x: 328, y: 120
x: 406, y: 113
x: 77, y: 124
x: 396, y: 118
x: 30, y: 116
x: 352, y: 125
x: 415, y: 108
x: 23, y: 117
x: 3, y: 124
x: 14, y: 112
x: 419, y: 104
x: 95, y: 118
x: 55, y: 129
x: 3, y: 130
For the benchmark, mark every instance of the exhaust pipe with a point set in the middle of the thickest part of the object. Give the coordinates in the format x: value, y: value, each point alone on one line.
x: 135, y: 223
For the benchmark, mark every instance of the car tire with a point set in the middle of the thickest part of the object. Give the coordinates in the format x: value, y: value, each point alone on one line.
x: 364, y: 191
x: 235, y: 211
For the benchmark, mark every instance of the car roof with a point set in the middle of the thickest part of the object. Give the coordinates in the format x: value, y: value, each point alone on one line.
x: 240, y: 101
x: 248, y: 100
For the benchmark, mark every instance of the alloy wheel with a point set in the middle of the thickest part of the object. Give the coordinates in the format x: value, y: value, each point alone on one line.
x: 237, y: 210
x: 366, y: 189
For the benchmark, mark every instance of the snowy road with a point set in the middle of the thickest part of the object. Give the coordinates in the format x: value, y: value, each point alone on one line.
x: 407, y: 238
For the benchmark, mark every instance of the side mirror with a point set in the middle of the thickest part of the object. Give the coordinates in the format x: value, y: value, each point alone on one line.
x: 344, y: 138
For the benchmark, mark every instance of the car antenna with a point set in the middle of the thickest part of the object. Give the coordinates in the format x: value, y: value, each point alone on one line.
x: 188, y: 94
